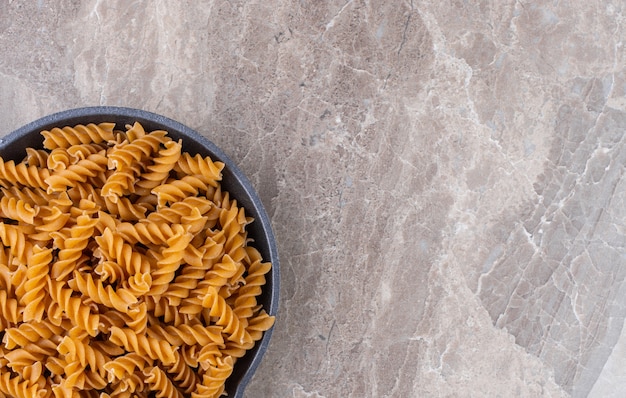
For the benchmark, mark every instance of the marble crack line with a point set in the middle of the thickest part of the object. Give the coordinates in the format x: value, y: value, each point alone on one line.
x: 406, y: 28
x: 440, y: 49
x: 357, y: 70
x: 107, y: 67
x: 330, y: 333
x: 95, y: 12
x: 603, y: 209
x: 331, y: 23
x: 396, y: 384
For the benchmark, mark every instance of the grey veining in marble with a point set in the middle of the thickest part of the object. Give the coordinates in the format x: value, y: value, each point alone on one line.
x: 445, y: 178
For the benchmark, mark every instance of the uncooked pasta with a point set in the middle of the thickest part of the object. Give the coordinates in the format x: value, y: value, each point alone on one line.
x: 125, y: 269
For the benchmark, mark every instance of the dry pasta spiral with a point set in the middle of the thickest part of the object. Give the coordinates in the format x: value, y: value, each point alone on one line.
x: 30, y: 332
x: 37, y: 280
x: 187, y: 334
x: 126, y: 365
x: 153, y: 348
x: 183, y: 375
x: 12, y: 174
x: 125, y: 269
x: 16, y: 387
x: 124, y: 155
x: 213, y: 380
x: 158, y: 381
x: 234, y: 328
x: 36, y: 157
x: 73, y: 308
x: 169, y: 260
x: 176, y: 190
x: 119, y: 299
x: 210, y: 171
x: 18, y: 209
x: 159, y: 170
x: 9, y: 313
x: 65, y: 137
x: 76, y: 173
x: 14, y: 237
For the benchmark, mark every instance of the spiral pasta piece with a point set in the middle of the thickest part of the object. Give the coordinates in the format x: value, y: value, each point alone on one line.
x: 176, y: 190
x: 30, y: 332
x: 153, y: 348
x: 126, y: 365
x: 15, y: 387
x: 32, y: 196
x: 158, y: 382
x: 122, y: 262
x: 72, y: 247
x: 36, y: 157
x: 119, y: 299
x: 14, y: 237
x: 233, y: 222
x: 213, y: 380
x: 113, y: 247
x: 120, y: 183
x: 34, y: 375
x: 258, y: 324
x: 233, y: 326
x: 21, y: 358
x: 80, y: 314
x: 9, y: 313
x: 255, y: 327
x: 18, y: 282
x: 125, y: 209
x: 192, y: 211
x: 157, y: 172
x: 145, y: 233
x: 65, y: 137
x: 217, y: 276
x: 246, y: 300
x: 76, y: 173
x: 159, y: 307
x: 18, y: 209
x: 170, y: 260
x: 188, y: 277
x: 51, y: 220
x: 79, y: 152
x: 21, y: 174
x: 76, y: 349
x: 58, y: 159
x: 137, y: 150
x: 210, y: 171
x: 187, y: 334
x: 36, y: 283
x: 182, y: 374
x: 73, y: 381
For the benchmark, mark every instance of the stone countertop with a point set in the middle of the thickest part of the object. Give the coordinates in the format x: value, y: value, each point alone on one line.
x: 445, y: 178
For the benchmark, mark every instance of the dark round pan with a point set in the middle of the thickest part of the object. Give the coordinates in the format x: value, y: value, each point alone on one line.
x: 12, y: 147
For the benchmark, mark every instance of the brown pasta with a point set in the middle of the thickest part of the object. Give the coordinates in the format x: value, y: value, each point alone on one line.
x: 125, y: 270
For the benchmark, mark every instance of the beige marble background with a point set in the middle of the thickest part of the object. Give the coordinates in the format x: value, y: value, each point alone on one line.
x: 445, y: 178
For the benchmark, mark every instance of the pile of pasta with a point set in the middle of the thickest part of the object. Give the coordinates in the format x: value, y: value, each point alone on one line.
x: 125, y: 269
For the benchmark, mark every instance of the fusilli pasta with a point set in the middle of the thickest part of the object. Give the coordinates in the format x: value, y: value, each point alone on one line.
x: 125, y: 269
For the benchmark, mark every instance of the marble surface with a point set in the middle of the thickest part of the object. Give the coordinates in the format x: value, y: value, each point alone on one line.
x: 445, y: 178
